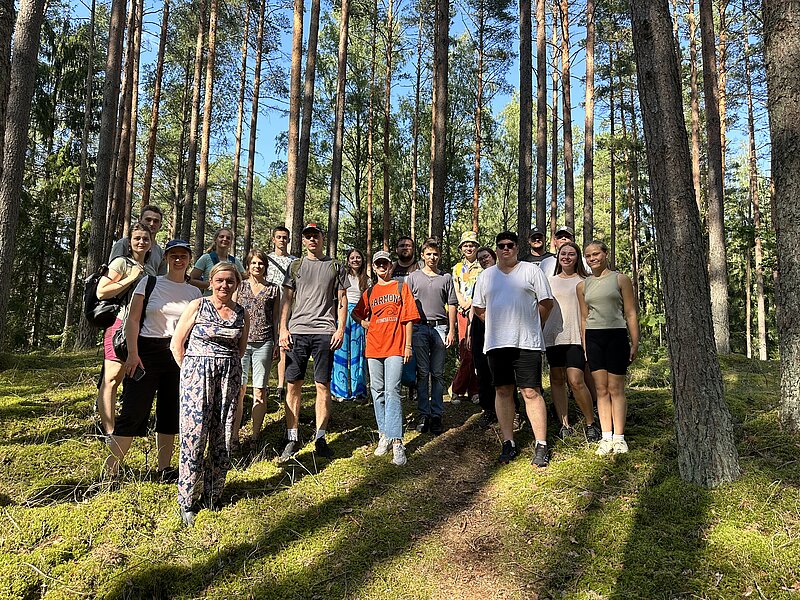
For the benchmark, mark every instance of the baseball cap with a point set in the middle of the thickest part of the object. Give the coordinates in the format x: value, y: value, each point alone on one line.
x: 172, y: 244
x: 381, y: 255
x: 536, y: 231
x: 312, y: 227
x: 567, y: 230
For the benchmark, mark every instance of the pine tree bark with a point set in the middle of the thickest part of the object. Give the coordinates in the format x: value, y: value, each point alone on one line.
x: 566, y: 104
x: 717, y: 253
x: 588, y: 127
x: 293, y: 141
x: 152, y: 133
x: 476, y: 166
x: 129, y: 175
x: 613, y: 160
x: 387, y: 107
x: 694, y: 96
x: 415, y: 134
x: 66, y: 338
x: 761, y: 310
x: 338, y: 131
x: 371, y: 133
x: 105, y: 148
x: 722, y: 81
x: 782, y: 55
x: 205, y: 142
x: 541, y: 114
x: 191, y: 152
x: 439, y: 118
x: 7, y: 15
x: 15, y: 143
x: 705, y: 444
x: 177, y: 194
x: 237, y: 152
x: 554, y: 129
x: 251, y: 147
x: 524, y: 180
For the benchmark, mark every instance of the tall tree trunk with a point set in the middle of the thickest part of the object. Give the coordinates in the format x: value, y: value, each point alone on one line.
x: 293, y: 141
x: 694, y: 96
x: 205, y: 142
x: 387, y: 107
x: 554, y: 128
x: 153, y: 129
x: 476, y: 167
x: 628, y: 149
x: 524, y: 181
x: 761, y: 311
x: 717, y: 254
x: 129, y: 175
x: 371, y: 133
x: 76, y: 240
x: 177, y: 197
x: 305, y: 127
x: 706, y: 450
x: 588, y: 143
x: 635, y: 215
x: 541, y: 114
x: 613, y: 161
x: 237, y: 153
x: 748, y: 303
x: 338, y: 131
x: 251, y: 147
x: 566, y: 87
x: 6, y: 32
x: 15, y: 143
x: 722, y: 81
x: 439, y: 118
x: 105, y: 148
x: 415, y: 134
x: 191, y: 154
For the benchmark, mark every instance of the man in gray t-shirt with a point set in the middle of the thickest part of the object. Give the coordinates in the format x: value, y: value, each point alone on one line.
x: 314, y: 294
x: 152, y: 217
x: 436, y: 301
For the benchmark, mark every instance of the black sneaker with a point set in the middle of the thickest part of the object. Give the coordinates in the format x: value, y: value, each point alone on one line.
x: 424, y: 424
x: 508, y: 453
x: 322, y: 449
x: 289, y: 451
x: 436, y: 425
x: 487, y: 420
x: 541, y: 456
x: 593, y: 433
x: 566, y: 432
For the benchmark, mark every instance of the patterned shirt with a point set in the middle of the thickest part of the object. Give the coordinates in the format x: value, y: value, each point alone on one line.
x: 464, y: 277
x: 260, y: 308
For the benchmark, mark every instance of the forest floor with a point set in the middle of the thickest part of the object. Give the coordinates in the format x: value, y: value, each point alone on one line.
x: 449, y: 524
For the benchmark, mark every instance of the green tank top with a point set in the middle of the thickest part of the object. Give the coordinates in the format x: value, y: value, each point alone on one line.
x: 604, y: 299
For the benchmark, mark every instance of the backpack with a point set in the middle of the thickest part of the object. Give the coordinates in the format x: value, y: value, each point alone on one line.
x: 100, y: 313
x: 215, y: 258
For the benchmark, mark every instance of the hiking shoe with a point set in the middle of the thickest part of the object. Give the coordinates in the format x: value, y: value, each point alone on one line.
x: 424, y: 424
x: 454, y: 399
x: 436, y: 425
x: 383, y: 446
x: 487, y: 420
x: 566, y: 432
x: 412, y: 394
x: 593, y: 433
x: 476, y: 399
x: 399, y: 454
x: 518, y: 422
x: 605, y: 447
x: 619, y: 447
x: 321, y: 448
x: 289, y: 451
x: 168, y: 475
x: 508, y: 453
x: 541, y: 456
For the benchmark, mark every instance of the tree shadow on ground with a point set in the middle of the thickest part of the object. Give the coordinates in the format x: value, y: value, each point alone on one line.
x: 371, y: 525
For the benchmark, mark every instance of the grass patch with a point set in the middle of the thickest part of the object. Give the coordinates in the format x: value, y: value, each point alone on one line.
x: 451, y: 523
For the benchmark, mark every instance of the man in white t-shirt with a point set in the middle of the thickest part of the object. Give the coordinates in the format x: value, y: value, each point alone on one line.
x: 278, y: 263
x: 514, y: 299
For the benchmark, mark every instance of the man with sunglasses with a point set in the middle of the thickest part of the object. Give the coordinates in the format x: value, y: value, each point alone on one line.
x: 539, y: 255
x: 513, y: 298
x: 314, y: 294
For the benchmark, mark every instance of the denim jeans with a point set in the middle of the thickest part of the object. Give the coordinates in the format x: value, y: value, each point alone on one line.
x: 428, y: 342
x: 384, y: 375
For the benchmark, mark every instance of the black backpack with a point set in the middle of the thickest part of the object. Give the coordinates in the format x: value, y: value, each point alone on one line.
x: 99, y: 313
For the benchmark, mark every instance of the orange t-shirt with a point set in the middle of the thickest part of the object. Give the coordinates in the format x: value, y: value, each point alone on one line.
x: 388, y: 313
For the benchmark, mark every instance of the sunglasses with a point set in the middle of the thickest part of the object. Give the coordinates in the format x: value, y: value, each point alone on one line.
x: 507, y: 246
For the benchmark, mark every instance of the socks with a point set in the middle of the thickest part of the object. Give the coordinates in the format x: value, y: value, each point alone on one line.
x: 541, y: 442
x: 320, y: 434
x: 607, y: 435
x: 291, y: 435
x: 513, y: 443
x: 619, y: 438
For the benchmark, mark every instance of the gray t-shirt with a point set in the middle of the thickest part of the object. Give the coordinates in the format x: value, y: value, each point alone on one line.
x: 156, y: 260
x: 316, y: 288
x: 432, y: 294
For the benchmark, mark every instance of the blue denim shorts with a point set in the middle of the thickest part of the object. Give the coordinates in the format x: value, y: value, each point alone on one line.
x: 258, y: 356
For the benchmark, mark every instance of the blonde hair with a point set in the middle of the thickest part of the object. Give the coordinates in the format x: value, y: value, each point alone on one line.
x: 213, y: 246
x: 225, y: 266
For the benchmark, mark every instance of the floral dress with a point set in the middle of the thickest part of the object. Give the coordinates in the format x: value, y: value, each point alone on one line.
x: 211, y: 375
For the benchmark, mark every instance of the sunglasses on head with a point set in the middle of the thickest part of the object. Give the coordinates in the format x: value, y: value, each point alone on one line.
x: 506, y: 246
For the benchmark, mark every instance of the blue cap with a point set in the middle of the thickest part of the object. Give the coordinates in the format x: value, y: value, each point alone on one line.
x: 172, y: 244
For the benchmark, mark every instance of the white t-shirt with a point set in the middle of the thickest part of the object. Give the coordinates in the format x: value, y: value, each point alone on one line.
x: 548, y: 265
x: 512, y: 306
x: 563, y: 325
x: 165, y: 306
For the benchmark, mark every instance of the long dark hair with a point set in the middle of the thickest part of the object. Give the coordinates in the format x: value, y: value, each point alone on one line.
x: 579, y: 268
x: 255, y: 252
x: 363, y: 282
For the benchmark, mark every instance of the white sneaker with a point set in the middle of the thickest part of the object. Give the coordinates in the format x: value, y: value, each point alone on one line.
x: 383, y: 445
x: 605, y: 446
x: 399, y: 452
x: 620, y: 447
x: 455, y: 399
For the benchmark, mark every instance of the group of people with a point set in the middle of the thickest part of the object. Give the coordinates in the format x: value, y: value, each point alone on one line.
x: 192, y: 339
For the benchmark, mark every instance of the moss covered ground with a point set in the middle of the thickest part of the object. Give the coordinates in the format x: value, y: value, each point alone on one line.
x: 450, y: 524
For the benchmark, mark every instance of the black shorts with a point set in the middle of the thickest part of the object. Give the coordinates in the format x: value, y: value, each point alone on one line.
x: 566, y: 356
x: 162, y: 377
x: 608, y: 350
x: 305, y: 346
x: 514, y: 366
